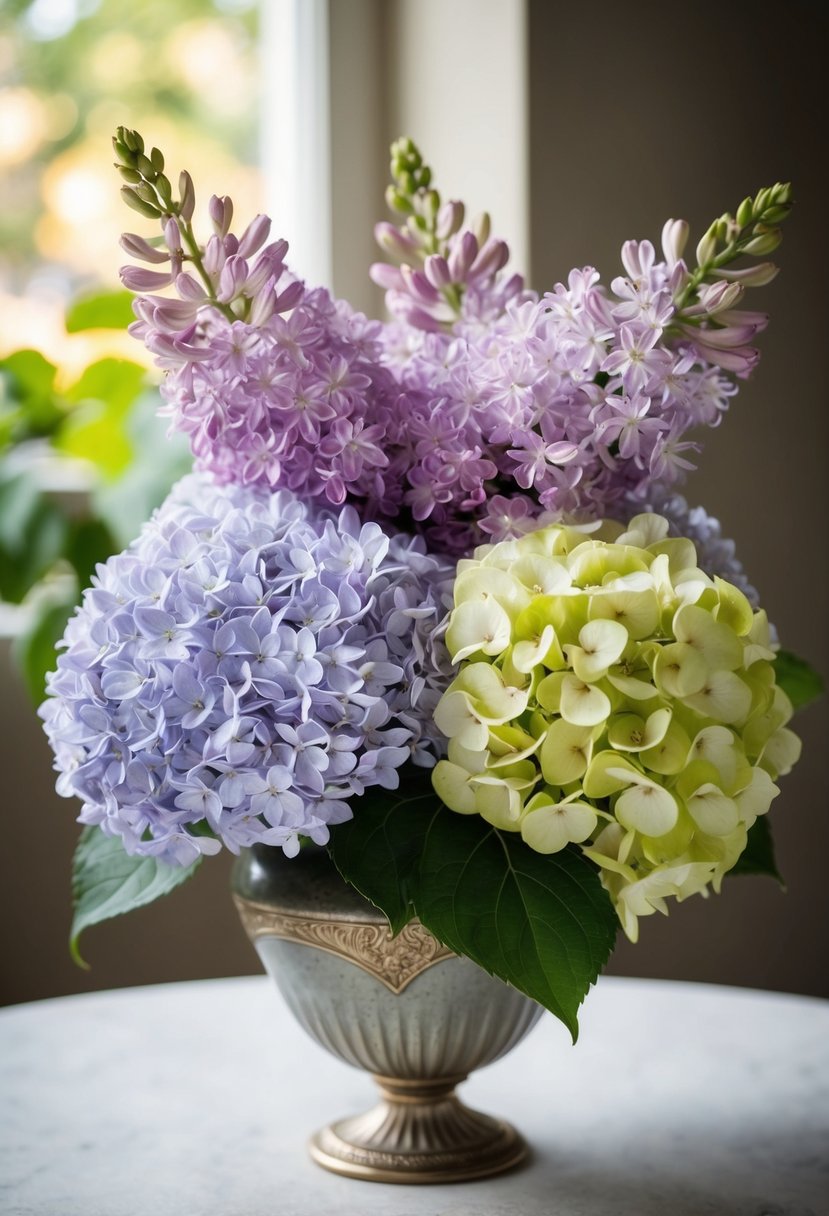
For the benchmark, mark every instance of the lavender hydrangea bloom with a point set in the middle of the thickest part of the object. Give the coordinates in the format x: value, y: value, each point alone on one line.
x: 244, y: 669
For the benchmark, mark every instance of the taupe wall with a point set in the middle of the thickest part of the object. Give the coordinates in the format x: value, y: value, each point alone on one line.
x: 638, y: 112
x: 647, y: 110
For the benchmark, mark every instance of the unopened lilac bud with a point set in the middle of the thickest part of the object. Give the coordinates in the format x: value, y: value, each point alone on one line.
x: 187, y: 196
x: 138, y: 204
x: 396, y: 200
x: 254, y: 236
x: 221, y: 213
x: 418, y: 286
x: 391, y: 240
x: 449, y: 220
x: 145, y: 191
x: 386, y: 276
x: 290, y: 297
x: 232, y: 279
x: 172, y: 237
x: 481, y: 226
x: 157, y: 160
x: 214, y: 256
x: 717, y: 297
x: 492, y: 258
x: 766, y: 242
x: 762, y: 199
x: 262, y: 304
x: 745, y: 212
x: 137, y: 247
x: 165, y: 190
x: 707, y: 246
x: 268, y: 266
x: 189, y: 288
x: 436, y: 269
x: 674, y: 239
x: 752, y: 276
x: 138, y: 278
x: 132, y: 176
x: 462, y: 256
x: 144, y: 166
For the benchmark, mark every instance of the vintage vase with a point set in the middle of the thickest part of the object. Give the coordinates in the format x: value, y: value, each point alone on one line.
x: 406, y: 1009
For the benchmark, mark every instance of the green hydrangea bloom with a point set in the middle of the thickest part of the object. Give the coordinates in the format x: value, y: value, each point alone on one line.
x: 611, y: 695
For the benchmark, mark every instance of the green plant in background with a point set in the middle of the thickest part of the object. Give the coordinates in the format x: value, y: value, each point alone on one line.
x: 103, y: 423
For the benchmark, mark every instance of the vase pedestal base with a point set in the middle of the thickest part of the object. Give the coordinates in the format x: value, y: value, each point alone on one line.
x: 419, y: 1133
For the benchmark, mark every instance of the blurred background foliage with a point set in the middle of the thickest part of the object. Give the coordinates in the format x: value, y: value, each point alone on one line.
x: 83, y: 457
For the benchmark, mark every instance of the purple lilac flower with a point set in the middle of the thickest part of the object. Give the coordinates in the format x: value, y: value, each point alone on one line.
x: 248, y: 666
x: 478, y: 391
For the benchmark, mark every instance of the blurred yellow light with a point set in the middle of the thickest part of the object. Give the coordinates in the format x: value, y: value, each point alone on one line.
x: 22, y: 125
x: 203, y: 53
x: 83, y: 192
x: 117, y: 61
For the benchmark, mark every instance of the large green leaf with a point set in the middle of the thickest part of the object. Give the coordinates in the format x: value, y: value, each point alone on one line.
x: 107, y: 882
x: 758, y: 855
x: 799, y: 681
x: 542, y: 923
x: 100, y: 310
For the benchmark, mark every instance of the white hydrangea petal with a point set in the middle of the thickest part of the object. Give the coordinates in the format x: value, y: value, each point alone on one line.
x: 548, y: 829
x: 782, y: 751
x: 647, y: 808
x: 756, y: 798
x: 716, y: 642
x: 565, y: 752
x: 724, y: 697
x: 529, y: 654
x: 583, y: 704
x: 712, y: 811
x: 680, y: 670
x: 456, y: 718
x: 451, y: 784
x: 478, y: 624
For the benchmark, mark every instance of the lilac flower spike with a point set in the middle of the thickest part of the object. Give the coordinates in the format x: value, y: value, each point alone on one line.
x: 478, y: 392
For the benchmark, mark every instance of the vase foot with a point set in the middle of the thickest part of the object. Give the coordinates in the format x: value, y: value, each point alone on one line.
x: 419, y: 1133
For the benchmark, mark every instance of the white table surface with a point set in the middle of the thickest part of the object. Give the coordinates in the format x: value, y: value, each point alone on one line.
x: 196, y: 1100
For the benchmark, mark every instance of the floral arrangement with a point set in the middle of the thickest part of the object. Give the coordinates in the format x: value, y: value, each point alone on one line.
x: 430, y: 597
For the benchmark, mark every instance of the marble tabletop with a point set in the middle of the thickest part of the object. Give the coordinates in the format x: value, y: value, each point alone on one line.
x: 196, y: 1100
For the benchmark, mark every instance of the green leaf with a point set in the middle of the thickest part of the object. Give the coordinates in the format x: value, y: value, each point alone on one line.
x: 758, y: 855
x: 33, y: 533
x: 90, y: 541
x: 34, y: 648
x: 542, y: 923
x: 29, y: 405
x: 96, y: 429
x: 378, y: 850
x: 107, y: 882
x: 100, y: 310
x: 800, y: 682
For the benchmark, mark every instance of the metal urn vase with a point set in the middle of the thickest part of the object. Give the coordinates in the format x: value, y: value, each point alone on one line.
x: 406, y: 1009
